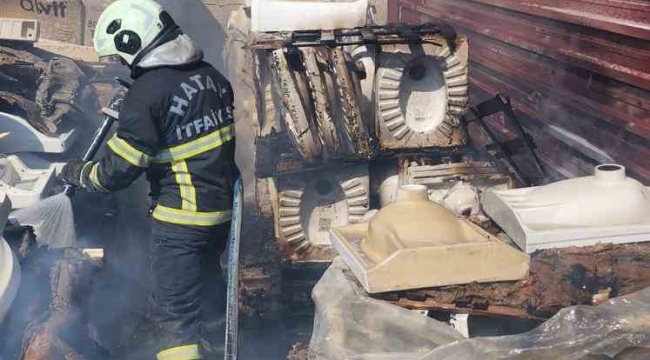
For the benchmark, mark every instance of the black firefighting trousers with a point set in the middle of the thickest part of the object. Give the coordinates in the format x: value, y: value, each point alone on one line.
x: 189, y: 291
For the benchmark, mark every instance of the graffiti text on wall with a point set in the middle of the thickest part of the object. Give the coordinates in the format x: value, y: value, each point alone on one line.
x: 54, y: 8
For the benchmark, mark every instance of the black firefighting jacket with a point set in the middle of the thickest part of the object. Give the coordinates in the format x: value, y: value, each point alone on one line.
x: 177, y: 125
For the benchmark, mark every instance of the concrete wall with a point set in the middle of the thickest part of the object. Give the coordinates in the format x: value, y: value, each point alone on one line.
x: 60, y: 20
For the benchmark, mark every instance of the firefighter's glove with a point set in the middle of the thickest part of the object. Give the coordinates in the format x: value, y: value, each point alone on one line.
x: 75, y: 171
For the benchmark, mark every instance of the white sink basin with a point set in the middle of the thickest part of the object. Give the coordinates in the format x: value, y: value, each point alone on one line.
x: 16, y: 135
x: 605, y: 208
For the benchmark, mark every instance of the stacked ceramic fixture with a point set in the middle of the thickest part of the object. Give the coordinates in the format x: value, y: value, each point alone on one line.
x: 420, y: 91
x: 457, y: 186
x: 23, y: 185
x: 25, y: 177
x: 17, y: 135
x: 448, y: 251
x: 310, y: 204
x: 9, y: 267
x: 608, y: 207
x: 291, y: 15
x: 340, y: 106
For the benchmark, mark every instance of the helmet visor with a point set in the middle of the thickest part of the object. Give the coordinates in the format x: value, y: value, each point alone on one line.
x: 110, y: 59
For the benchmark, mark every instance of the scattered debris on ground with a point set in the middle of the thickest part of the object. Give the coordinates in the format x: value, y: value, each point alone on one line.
x: 49, y: 315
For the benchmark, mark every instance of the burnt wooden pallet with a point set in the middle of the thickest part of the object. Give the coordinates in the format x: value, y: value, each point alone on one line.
x: 376, y: 35
x: 558, y: 278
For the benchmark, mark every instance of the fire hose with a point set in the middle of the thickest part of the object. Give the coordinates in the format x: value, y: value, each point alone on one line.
x: 111, y: 115
x: 232, y: 297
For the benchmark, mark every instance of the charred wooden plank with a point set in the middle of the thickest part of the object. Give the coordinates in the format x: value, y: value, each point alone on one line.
x: 558, y: 278
x: 390, y: 34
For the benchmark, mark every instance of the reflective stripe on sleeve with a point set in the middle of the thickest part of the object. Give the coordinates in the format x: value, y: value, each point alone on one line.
x: 186, y: 352
x: 94, y: 179
x: 196, y: 147
x: 184, y: 217
x: 126, y: 151
x: 83, y: 173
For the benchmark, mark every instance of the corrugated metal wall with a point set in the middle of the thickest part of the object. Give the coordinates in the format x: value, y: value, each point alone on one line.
x: 578, y: 72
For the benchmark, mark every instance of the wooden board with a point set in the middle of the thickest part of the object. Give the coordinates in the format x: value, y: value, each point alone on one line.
x: 558, y: 278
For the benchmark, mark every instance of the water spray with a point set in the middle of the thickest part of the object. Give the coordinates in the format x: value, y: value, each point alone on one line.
x: 52, y: 219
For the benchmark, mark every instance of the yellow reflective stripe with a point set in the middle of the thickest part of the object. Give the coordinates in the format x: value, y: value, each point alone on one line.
x: 196, y: 147
x: 184, y: 217
x: 132, y: 155
x: 94, y: 179
x: 82, y: 175
x: 184, y: 181
x: 186, y: 352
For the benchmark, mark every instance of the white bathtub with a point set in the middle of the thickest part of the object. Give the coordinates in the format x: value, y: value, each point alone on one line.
x: 295, y: 15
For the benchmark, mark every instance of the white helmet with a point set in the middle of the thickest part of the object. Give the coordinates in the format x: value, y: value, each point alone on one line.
x: 127, y: 27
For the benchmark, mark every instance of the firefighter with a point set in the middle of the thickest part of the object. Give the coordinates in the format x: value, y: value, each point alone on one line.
x: 176, y: 125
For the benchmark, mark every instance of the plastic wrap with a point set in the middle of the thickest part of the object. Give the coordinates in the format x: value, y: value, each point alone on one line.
x: 350, y: 325
x: 617, y: 329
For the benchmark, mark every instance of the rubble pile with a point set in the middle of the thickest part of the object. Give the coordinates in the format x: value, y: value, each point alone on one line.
x: 49, y: 317
x: 330, y: 110
x: 351, y: 325
x: 343, y: 118
x: 47, y: 105
x: 43, y: 89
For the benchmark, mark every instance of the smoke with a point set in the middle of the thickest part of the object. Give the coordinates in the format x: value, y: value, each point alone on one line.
x: 119, y: 223
x: 196, y: 20
x: 206, y: 23
x: 122, y: 288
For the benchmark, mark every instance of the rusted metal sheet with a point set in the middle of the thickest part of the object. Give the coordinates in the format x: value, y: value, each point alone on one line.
x: 577, y: 72
x: 619, y: 57
x: 626, y: 17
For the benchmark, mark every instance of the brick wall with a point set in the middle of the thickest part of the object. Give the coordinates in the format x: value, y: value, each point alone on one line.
x: 60, y: 20
x: 94, y: 8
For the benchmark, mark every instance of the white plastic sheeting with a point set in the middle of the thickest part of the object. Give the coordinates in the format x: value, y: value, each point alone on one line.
x: 350, y: 325
x: 296, y: 15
